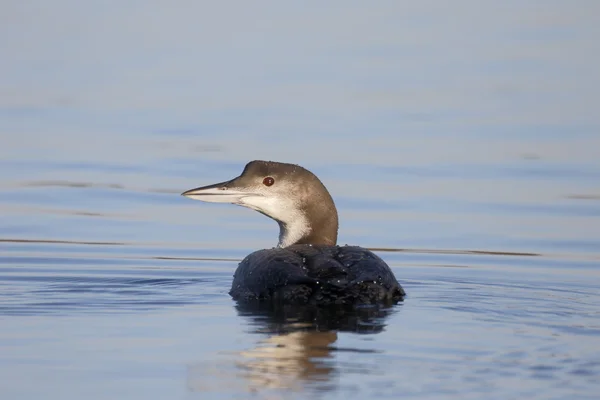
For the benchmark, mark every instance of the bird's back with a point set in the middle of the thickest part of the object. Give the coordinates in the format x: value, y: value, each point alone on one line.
x: 319, y: 275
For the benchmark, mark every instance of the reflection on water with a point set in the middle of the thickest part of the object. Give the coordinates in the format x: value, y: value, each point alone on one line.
x: 296, y: 361
x: 286, y: 318
x: 289, y: 361
x: 299, y: 347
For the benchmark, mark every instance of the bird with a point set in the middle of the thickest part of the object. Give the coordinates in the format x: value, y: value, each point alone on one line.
x: 307, y: 266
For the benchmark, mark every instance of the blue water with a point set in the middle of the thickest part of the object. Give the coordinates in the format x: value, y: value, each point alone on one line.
x: 460, y: 142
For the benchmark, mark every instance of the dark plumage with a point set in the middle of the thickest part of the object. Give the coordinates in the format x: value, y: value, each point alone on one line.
x: 316, y: 275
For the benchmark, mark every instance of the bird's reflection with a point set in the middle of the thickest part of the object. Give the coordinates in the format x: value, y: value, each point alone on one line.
x: 281, y: 319
x: 299, y: 346
x: 296, y: 351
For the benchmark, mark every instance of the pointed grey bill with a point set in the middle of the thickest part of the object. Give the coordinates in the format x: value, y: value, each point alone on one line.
x: 217, y: 193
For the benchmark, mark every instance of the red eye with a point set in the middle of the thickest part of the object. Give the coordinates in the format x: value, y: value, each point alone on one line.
x: 268, y: 181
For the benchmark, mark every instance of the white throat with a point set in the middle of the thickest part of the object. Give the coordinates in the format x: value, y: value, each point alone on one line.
x: 291, y: 233
x: 293, y: 224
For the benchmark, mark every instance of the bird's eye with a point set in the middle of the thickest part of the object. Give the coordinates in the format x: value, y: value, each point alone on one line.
x: 268, y: 181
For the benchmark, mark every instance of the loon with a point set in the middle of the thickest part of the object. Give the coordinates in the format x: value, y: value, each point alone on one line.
x: 307, y: 267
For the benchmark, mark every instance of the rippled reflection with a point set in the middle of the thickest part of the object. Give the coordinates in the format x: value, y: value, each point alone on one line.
x: 288, y: 360
x: 298, y: 351
x: 270, y: 319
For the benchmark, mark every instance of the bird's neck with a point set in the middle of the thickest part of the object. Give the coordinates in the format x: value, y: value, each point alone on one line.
x: 318, y: 228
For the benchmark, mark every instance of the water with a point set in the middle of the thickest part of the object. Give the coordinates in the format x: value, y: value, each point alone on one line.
x: 460, y: 141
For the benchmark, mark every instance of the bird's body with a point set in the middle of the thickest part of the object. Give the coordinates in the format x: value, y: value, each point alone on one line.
x: 307, y: 267
x: 317, y: 275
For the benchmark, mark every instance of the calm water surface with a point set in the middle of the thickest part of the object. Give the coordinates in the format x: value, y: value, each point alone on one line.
x: 461, y: 142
